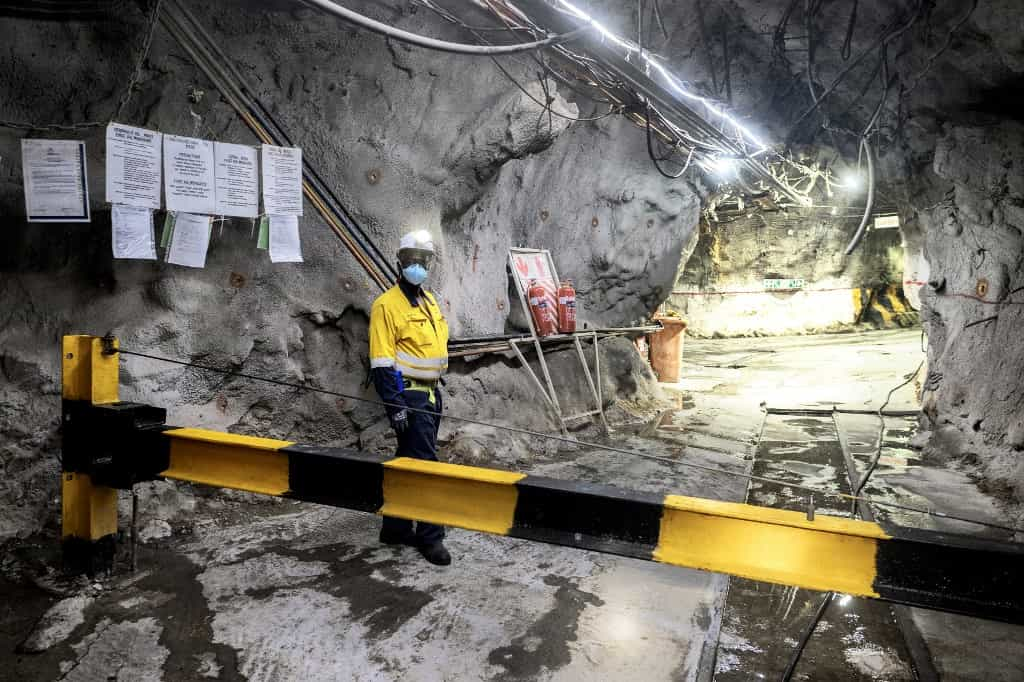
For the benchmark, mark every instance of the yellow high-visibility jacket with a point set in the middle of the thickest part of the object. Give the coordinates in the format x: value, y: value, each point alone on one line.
x: 411, y: 339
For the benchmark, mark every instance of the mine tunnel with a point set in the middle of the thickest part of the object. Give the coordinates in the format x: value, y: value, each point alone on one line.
x: 550, y: 340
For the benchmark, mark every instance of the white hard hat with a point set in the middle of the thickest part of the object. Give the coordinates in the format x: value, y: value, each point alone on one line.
x: 419, y: 240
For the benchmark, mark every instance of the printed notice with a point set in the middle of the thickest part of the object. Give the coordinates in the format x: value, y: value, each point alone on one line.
x: 284, y: 239
x: 188, y: 175
x: 238, y: 180
x: 132, y: 232
x: 133, y: 166
x: 282, y: 180
x: 190, y: 240
x: 56, y: 186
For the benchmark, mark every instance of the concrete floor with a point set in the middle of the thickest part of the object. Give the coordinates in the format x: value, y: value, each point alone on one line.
x: 287, y: 591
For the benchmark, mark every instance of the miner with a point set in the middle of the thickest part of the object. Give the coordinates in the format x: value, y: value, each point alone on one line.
x: 408, y: 355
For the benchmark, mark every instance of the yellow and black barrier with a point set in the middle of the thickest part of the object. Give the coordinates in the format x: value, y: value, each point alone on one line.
x: 955, y: 573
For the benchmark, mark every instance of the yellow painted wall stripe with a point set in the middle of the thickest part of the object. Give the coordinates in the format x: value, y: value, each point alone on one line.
x: 807, y: 554
x: 228, y: 460
x: 450, y: 494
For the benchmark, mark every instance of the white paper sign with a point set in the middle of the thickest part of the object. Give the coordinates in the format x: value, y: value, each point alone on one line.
x: 132, y: 232
x: 282, y: 180
x: 133, y: 166
x: 284, y: 239
x: 238, y: 180
x: 56, y: 186
x: 188, y: 175
x: 190, y: 240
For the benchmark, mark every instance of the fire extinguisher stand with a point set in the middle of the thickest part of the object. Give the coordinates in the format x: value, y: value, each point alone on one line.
x: 539, y: 262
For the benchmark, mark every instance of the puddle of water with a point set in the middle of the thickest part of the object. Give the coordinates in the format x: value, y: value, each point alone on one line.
x: 857, y: 639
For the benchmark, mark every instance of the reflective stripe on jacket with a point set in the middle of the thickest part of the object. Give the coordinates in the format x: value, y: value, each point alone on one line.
x: 412, y: 339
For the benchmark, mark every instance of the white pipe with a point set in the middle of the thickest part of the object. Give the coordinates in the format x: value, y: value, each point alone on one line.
x: 433, y: 43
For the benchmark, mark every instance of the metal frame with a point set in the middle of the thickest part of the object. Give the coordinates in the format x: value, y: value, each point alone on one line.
x: 550, y: 395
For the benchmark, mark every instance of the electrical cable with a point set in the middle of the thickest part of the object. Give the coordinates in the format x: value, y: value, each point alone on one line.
x: 865, y: 219
x: 448, y: 16
x: 565, y: 439
x: 886, y: 38
x: 193, y: 38
x: 654, y: 158
x: 881, y: 438
x: 806, y: 636
x: 845, y: 50
x: 230, y: 76
x: 441, y: 45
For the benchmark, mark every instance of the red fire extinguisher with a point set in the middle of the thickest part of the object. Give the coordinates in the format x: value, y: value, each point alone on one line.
x: 543, y: 316
x: 566, y: 308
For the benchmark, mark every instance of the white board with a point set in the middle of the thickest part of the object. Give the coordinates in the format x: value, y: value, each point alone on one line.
x: 56, y: 184
x: 238, y: 180
x: 282, y: 180
x: 133, y: 166
x: 188, y: 175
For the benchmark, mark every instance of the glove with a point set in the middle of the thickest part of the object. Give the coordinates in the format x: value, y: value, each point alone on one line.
x: 400, y: 421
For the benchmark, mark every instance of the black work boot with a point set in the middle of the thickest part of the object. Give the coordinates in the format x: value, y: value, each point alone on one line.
x: 435, y: 553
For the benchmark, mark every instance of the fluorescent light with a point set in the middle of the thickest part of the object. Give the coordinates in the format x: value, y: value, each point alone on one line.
x: 852, y: 181
x: 674, y: 83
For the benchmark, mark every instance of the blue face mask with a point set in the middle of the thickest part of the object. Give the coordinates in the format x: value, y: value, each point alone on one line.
x: 415, y: 274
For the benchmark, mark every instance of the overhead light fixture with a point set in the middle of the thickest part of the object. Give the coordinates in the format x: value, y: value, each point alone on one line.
x: 852, y: 181
x: 674, y: 84
x: 724, y: 167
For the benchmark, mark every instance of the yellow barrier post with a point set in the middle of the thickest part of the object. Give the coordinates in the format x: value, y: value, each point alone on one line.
x: 88, y: 511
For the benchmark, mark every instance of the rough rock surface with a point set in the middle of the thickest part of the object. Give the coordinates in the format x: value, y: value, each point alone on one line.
x: 974, y: 397
x: 406, y: 139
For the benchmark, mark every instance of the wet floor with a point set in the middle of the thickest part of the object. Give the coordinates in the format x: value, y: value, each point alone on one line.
x: 856, y: 639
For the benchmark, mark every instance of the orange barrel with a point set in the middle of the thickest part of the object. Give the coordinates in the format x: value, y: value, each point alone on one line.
x: 566, y: 308
x: 667, y: 349
x: 541, y: 310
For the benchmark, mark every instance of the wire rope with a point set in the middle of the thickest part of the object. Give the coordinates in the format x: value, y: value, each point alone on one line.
x: 568, y: 440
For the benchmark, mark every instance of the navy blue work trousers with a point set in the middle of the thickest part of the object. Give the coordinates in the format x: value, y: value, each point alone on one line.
x: 419, y: 441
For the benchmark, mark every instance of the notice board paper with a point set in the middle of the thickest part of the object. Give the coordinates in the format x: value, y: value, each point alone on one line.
x: 190, y: 240
x: 133, y: 166
x: 238, y: 180
x: 282, y: 180
x: 188, y: 175
x: 284, y: 239
x: 56, y: 185
x: 132, y: 232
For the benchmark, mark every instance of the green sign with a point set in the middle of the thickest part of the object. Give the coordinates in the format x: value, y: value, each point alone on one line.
x: 784, y: 284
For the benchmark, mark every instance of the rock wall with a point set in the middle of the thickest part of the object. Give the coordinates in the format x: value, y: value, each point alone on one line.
x: 973, y: 221
x: 721, y: 290
x: 408, y: 140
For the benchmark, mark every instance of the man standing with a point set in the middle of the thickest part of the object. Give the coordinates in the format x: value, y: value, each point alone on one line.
x: 408, y: 355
